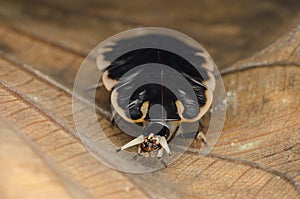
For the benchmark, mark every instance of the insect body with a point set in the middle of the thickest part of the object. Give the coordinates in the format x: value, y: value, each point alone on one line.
x: 145, y: 92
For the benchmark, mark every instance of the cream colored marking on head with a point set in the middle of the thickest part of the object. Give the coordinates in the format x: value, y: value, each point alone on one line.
x: 108, y: 82
x: 121, y: 112
x: 211, y: 82
x: 151, y: 136
x: 202, y: 110
x: 144, y: 109
x: 117, y: 108
x: 180, y: 108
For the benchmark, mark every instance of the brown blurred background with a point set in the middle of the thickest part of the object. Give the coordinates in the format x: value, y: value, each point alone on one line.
x: 229, y: 29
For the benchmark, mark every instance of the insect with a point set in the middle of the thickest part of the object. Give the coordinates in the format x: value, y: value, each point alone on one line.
x: 132, y: 98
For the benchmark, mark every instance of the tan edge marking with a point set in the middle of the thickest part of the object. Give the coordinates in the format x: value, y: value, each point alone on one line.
x: 144, y: 109
x: 121, y: 112
x: 108, y: 82
x: 202, y: 111
x: 211, y: 82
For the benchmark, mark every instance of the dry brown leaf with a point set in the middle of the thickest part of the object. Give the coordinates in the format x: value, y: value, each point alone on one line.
x: 44, y: 114
x: 228, y: 30
x: 24, y: 170
x: 257, y: 156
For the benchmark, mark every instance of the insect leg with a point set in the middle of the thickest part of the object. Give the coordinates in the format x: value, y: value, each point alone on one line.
x: 200, y: 136
x: 160, y: 153
x: 139, y: 153
x: 201, y: 125
x: 113, y: 122
x: 159, y: 157
x: 113, y: 119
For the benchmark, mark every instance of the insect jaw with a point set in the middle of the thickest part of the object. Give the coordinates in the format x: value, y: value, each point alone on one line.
x: 149, y: 144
